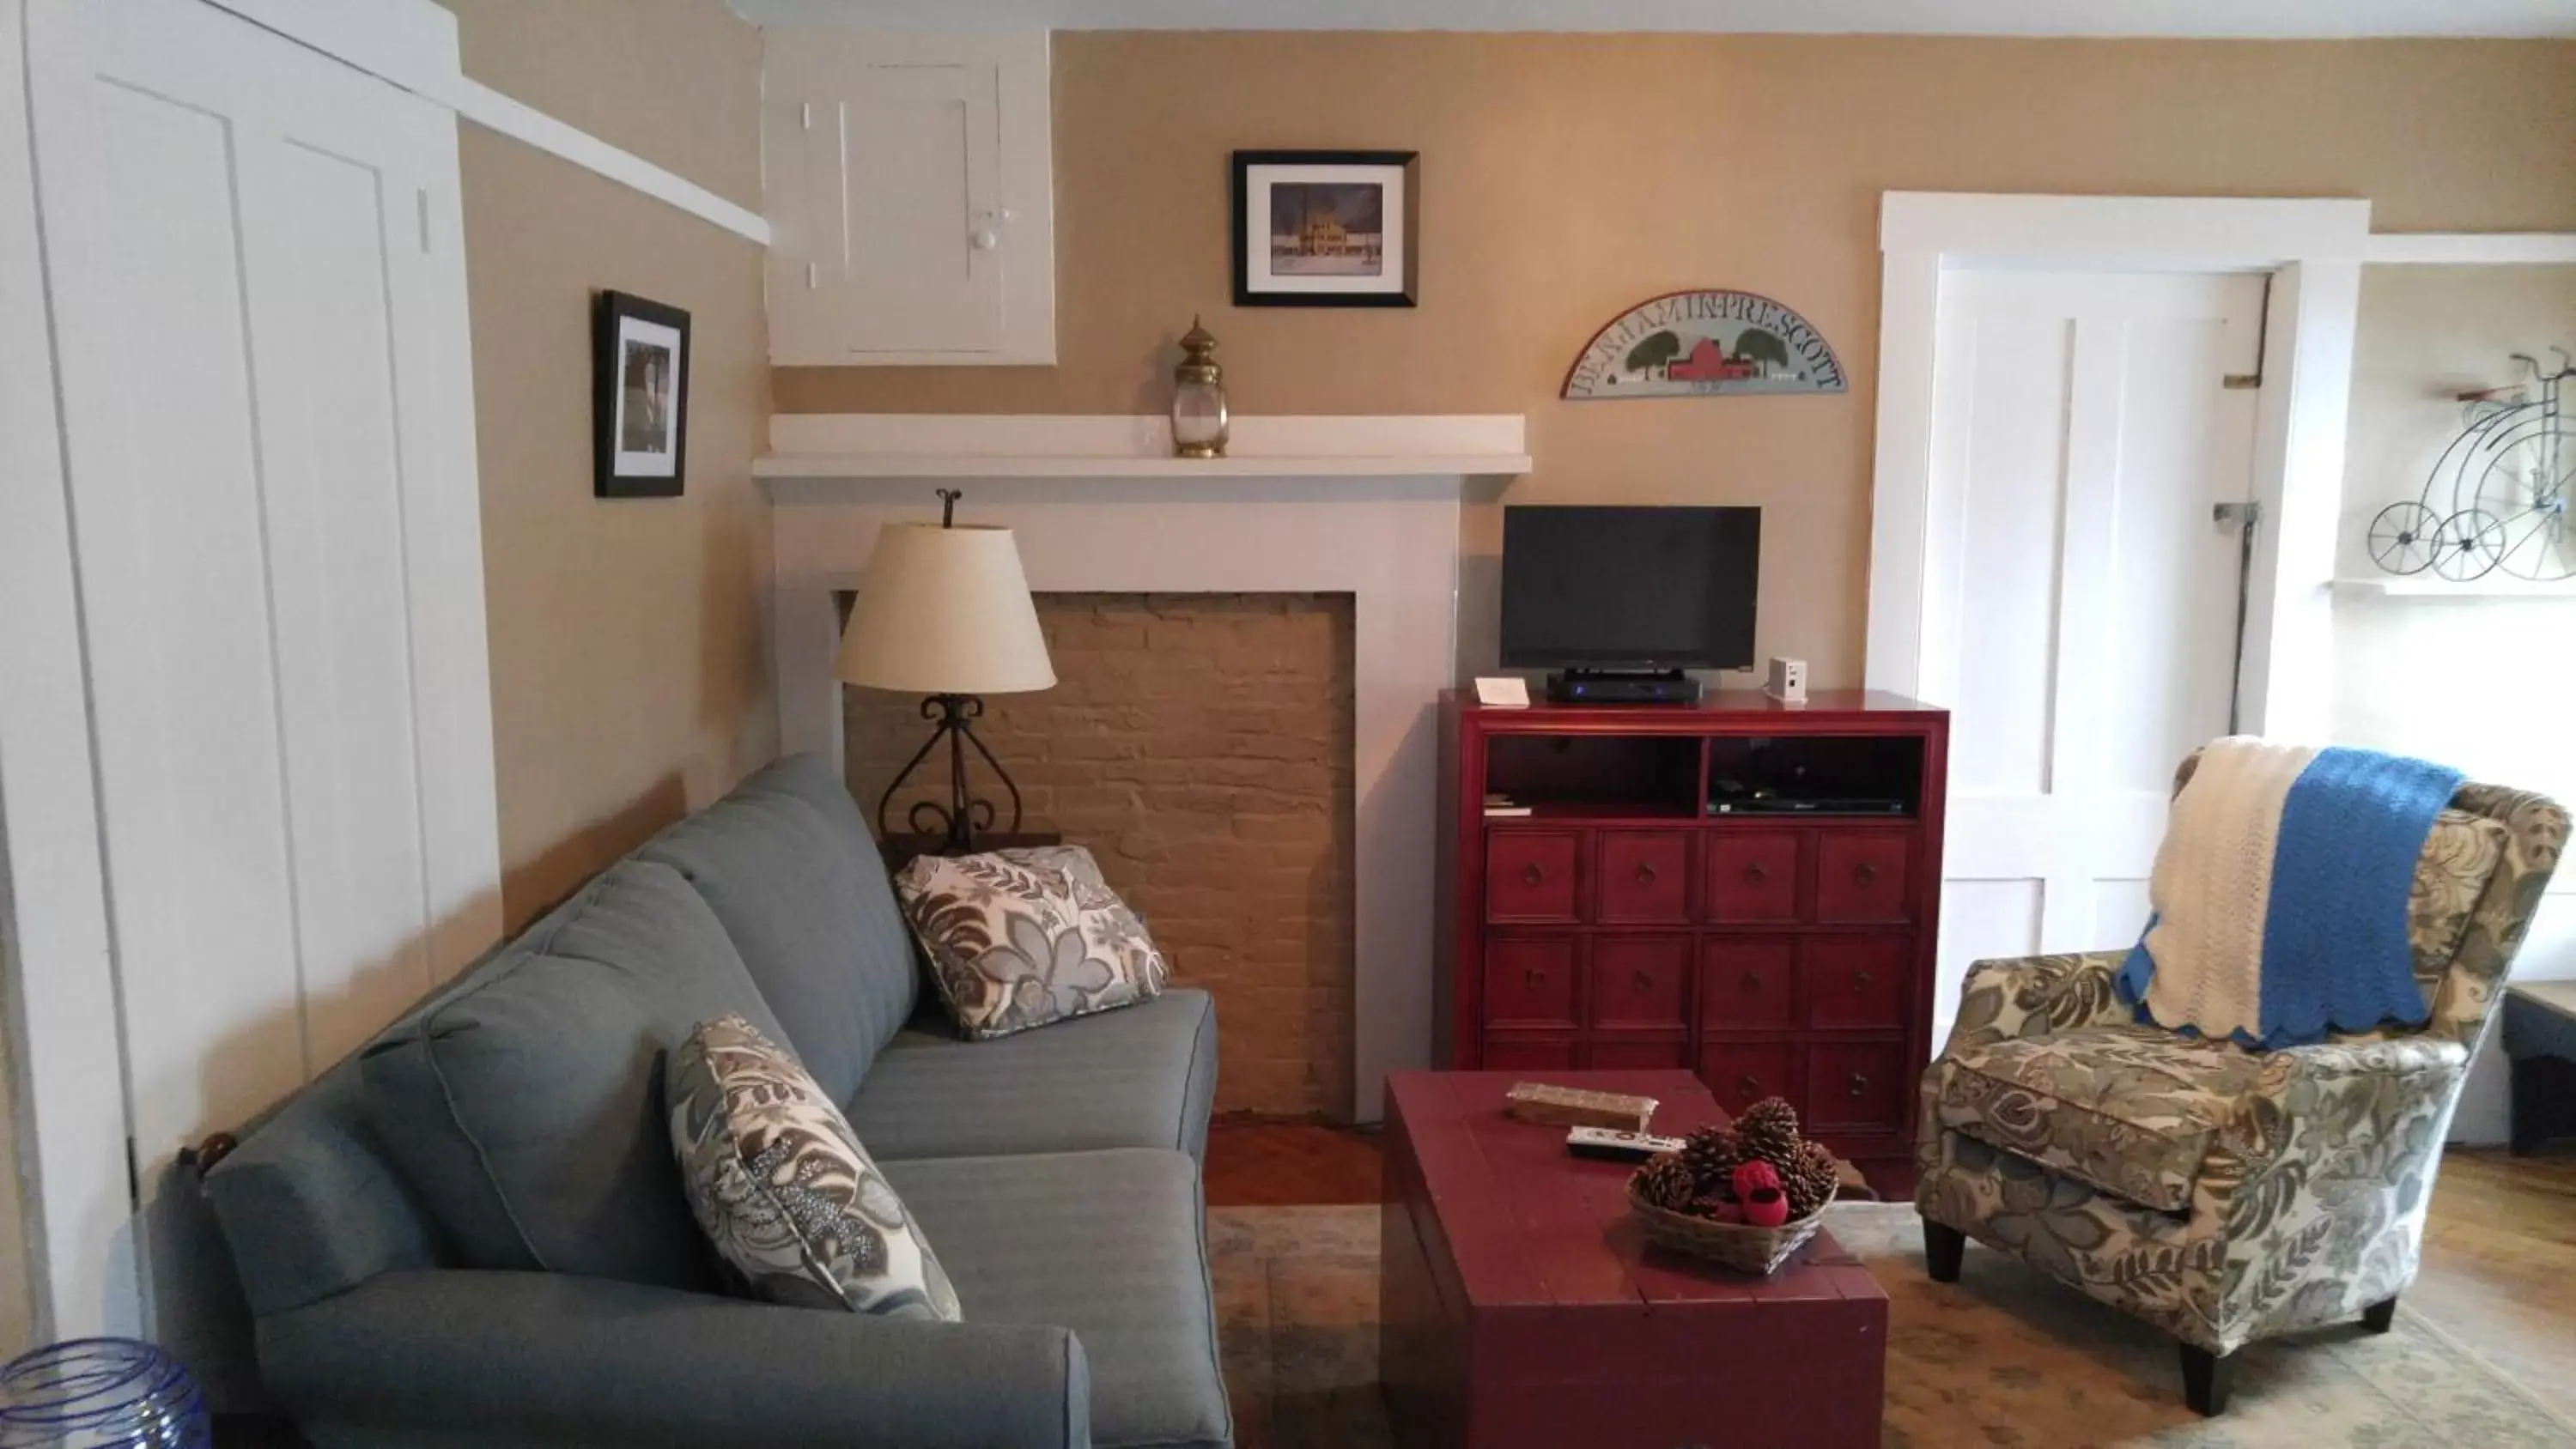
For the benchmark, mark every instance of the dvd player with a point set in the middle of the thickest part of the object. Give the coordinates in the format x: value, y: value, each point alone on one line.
x: 1810, y: 805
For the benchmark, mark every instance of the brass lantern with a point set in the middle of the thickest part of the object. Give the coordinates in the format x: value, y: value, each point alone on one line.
x: 1198, y: 398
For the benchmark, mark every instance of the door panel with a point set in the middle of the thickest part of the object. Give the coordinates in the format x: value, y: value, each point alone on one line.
x: 256, y: 269
x: 2079, y: 604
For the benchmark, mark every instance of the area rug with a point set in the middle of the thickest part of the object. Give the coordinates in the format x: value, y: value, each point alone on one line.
x: 2003, y: 1357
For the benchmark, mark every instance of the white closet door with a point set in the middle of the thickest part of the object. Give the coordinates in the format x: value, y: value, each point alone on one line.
x: 256, y: 268
x: 2080, y: 601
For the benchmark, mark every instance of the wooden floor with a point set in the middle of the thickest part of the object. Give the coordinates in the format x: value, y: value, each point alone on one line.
x: 2499, y: 1249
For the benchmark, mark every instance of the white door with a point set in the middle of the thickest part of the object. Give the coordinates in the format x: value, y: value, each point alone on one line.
x: 2080, y: 600
x: 907, y: 184
x: 254, y: 257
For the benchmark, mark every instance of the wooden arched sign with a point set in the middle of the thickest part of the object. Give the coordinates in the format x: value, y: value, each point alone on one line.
x: 1691, y: 344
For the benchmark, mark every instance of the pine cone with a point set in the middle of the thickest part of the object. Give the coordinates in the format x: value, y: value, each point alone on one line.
x: 1713, y: 1154
x: 1811, y: 1178
x: 1769, y: 1130
x: 1665, y: 1181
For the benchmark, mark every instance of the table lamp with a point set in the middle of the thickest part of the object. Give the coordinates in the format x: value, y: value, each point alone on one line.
x: 944, y: 612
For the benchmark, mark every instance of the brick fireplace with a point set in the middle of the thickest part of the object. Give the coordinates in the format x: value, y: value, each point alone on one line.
x: 1201, y: 746
x: 1363, y: 509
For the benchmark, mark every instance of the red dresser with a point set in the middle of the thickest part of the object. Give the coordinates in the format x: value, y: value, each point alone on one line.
x: 1649, y: 911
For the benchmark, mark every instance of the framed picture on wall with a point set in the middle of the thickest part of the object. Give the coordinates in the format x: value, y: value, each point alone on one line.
x: 1325, y: 228
x: 639, y: 369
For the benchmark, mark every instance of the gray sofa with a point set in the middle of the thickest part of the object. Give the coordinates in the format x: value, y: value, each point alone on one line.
x: 473, y: 1232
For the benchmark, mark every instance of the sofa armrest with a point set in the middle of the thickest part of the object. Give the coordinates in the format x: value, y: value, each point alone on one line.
x: 549, y: 1358
x: 2028, y: 996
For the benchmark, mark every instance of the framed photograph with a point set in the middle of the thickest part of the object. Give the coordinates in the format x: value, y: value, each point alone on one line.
x: 1325, y: 228
x: 639, y: 369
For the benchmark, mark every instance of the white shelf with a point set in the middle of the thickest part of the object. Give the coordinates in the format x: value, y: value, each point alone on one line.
x: 2427, y: 587
x: 899, y: 445
x: 902, y: 465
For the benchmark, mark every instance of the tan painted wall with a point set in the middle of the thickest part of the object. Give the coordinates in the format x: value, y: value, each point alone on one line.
x: 1566, y: 177
x: 630, y: 678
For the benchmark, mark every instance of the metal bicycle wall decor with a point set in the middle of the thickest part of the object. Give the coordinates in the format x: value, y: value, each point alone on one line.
x: 2497, y: 497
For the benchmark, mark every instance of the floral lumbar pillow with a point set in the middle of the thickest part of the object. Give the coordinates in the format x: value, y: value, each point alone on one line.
x: 1021, y: 938
x: 782, y: 1188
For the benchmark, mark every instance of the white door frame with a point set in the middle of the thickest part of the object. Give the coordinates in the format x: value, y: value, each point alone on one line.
x: 2313, y: 251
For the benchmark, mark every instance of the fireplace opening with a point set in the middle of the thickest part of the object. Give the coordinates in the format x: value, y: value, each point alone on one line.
x: 1202, y: 747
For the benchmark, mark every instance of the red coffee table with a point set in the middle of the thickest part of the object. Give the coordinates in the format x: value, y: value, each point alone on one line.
x: 1521, y: 1306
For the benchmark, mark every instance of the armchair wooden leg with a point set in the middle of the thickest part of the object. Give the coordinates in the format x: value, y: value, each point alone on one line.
x: 2206, y: 1378
x: 2380, y: 1316
x: 1942, y: 1249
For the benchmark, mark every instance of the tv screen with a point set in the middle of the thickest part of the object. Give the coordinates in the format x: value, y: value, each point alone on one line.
x: 1629, y: 588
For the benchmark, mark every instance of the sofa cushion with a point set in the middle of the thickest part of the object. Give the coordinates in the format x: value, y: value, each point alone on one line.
x: 524, y: 1106
x: 788, y: 865
x: 2460, y: 854
x: 1019, y: 939
x: 1142, y: 1077
x: 1108, y: 1244
x: 791, y: 1201
x: 2132, y: 1110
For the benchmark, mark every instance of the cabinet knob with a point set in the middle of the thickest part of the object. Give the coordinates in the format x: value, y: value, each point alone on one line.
x: 1747, y: 1085
x: 1860, y: 982
x: 1534, y: 978
x: 1752, y: 983
x: 1532, y: 874
x: 1859, y: 1085
x: 1864, y: 872
x: 1641, y: 979
x: 984, y: 238
x: 1645, y: 874
x: 1754, y: 874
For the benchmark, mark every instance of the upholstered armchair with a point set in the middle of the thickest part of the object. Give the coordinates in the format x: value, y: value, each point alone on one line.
x: 2220, y: 1194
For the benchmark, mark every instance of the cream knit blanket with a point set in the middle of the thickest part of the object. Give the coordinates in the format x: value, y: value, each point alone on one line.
x: 2212, y: 886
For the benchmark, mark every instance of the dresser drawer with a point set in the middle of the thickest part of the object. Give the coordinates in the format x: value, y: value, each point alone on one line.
x: 1752, y: 877
x: 1529, y: 875
x: 1858, y: 980
x: 1530, y: 981
x: 1748, y: 981
x: 1548, y: 1055
x: 1640, y: 980
x: 1856, y: 1085
x: 1739, y: 1074
x: 1861, y: 876
x: 1644, y: 877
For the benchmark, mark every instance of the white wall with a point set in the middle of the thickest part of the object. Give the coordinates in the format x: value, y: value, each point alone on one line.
x: 2485, y: 684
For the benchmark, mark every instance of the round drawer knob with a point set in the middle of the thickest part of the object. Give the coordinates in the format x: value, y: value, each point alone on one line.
x: 1859, y: 1085
x: 1754, y: 874
x: 1534, y: 978
x: 1860, y: 982
x: 1641, y: 980
x: 1752, y: 983
x: 1864, y: 872
x: 1747, y: 1086
x: 1645, y: 874
x: 1532, y: 874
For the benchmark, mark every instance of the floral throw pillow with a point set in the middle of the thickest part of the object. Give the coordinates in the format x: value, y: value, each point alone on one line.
x: 782, y: 1188
x: 1021, y: 938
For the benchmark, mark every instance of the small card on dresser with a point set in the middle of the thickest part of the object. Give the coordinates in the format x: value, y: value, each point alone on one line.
x: 1502, y: 692
x: 1578, y: 1107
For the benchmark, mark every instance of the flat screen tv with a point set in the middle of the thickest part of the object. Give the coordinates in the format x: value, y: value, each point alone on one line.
x: 1593, y: 588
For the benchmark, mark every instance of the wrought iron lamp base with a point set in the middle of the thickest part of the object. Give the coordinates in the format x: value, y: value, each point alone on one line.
x: 965, y: 815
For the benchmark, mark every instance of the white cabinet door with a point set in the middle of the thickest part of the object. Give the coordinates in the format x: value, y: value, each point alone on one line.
x: 909, y: 194
x: 2079, y: 609
x: 258, y: 289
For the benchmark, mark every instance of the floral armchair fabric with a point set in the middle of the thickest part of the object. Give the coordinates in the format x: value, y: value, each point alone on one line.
x: 2220, y: 1194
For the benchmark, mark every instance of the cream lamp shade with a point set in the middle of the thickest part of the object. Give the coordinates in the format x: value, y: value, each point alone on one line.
x: 945, y: 610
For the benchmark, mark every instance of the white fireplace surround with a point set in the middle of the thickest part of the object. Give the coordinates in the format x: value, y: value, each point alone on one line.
x: 1365, y: 506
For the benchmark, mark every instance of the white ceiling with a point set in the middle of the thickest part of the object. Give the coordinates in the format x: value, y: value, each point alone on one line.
x: 2218, y: 19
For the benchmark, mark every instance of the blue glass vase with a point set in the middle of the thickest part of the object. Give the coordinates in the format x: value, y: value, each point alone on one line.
x: 101, y: 1393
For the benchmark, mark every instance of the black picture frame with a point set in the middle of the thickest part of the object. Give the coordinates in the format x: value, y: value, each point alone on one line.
x: 1247, y: 289
x: 617, y: 472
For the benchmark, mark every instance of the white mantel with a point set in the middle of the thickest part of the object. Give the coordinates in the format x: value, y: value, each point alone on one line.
x: 1369, y: 507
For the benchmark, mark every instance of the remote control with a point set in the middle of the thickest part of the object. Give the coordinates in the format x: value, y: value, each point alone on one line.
x: 1613, y: 1145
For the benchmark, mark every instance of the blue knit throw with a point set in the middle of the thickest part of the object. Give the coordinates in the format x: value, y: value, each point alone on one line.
x: 2336, y: 957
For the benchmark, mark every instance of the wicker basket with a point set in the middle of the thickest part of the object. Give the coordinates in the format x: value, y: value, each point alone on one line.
x: 1740, y: 1246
